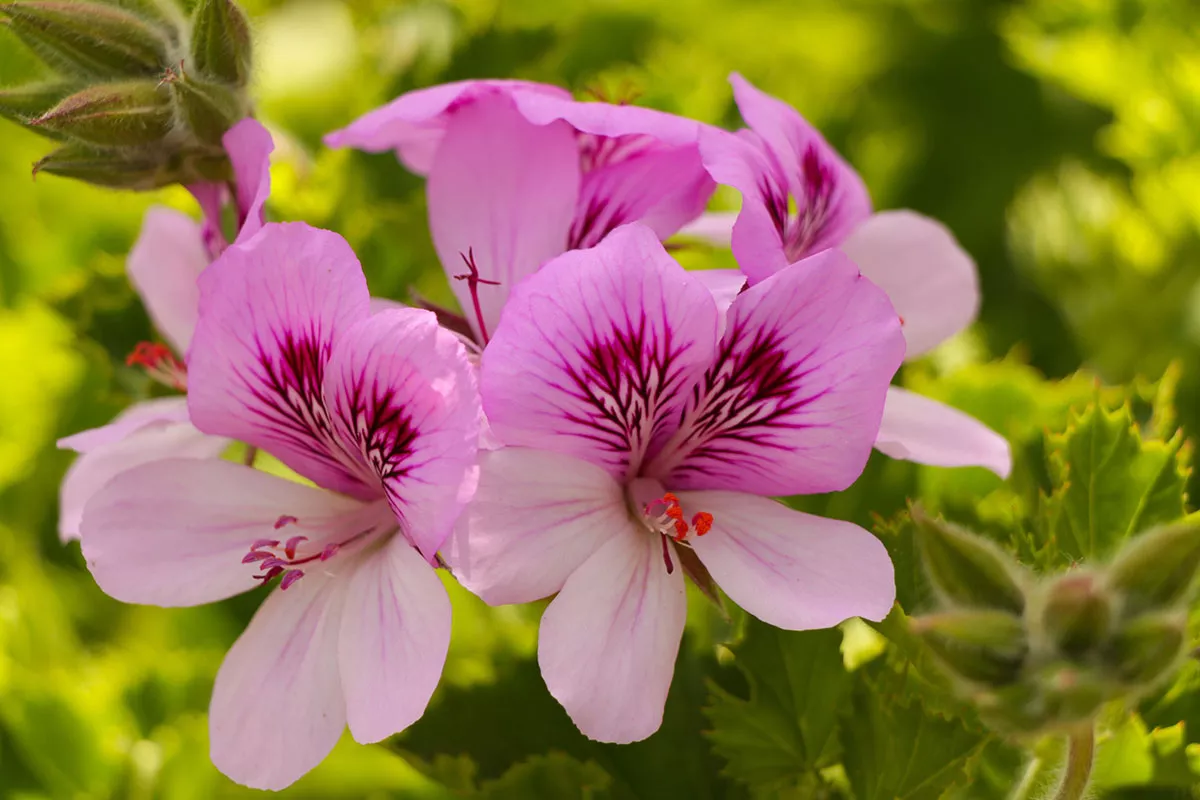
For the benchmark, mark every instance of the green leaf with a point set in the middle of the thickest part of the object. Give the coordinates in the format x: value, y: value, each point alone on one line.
x: 551, y: 777
x: 895, y: 749
x: 1110, y: 483
x: 797, y: 684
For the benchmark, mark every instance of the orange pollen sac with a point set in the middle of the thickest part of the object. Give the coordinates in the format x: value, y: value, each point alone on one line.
x: 671, y: 519
x: 159, y: 363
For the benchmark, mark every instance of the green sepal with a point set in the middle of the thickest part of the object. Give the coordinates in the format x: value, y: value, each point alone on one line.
x: 221, y: 44
x: 23, y: 103
x: 977, y: 645
x: 1077, y: 612
x: 1157, y: 569
x: 208, y: 109
x: 966, y: 569
x: 101, y: 168
x: 88, y: 38
x: 1147, y: 647
x: 127, y: 114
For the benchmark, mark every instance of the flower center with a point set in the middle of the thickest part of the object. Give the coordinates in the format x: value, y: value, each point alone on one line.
x: 159, y: 363
x: 662, y: 514
x: 283, y: 559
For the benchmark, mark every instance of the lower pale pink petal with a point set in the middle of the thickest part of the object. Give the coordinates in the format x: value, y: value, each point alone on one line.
x: 138, y: 415
x: 929, y: 278
x: 175, y: 532
x: 163, y: 266
x: 608, y: 641
x: 535, y: 518
x: 414, y: 124
x: 501, y: 194
x: 916, y: 428
x: 392, y: 645
x: 249, y: 146
x: 277, y: 707
x: 596, y: 353
x: 270, y: 311
x: 793, y: 402
x: 402, y: 397
x: 795, y: 571
x: 152, y: 442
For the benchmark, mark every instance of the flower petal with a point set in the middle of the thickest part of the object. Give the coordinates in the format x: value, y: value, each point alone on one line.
x: 713, y: 227
x: 607, y: 643
x: 607, y: 120
x: 502, y: 194
x: 636, y: 179
x: 403, y: 399
x: 249, y: 146
x: 792, y: 570
x: 174, y: 532
x: 163, y: 266
x: 930, y: 280
x: 595, y: 353
x: 270, y: 311
x: 916, y: 428
x: 395, y: 633
x: 793, y: 401
x: 535, y: 518
x: 414, y: 124
x: 155, y: 441
x: 138, y: 415
x: 277, y: 707
x: 724, y: 285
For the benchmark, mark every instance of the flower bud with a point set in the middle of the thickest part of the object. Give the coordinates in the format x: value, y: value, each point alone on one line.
x: 102, y: 169
x: 1148, y: 646
x: 208, y: 109
x: 22, y: 103
x: 967, y: 569
x: 981, y: 646
x: 1077, y: 614
x: 88, y: 38
x: 126, y: 114
x: 1157, y: 569
x: 221, y: 41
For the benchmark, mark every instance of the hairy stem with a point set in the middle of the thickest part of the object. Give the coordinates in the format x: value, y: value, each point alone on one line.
x: 1081, y: 747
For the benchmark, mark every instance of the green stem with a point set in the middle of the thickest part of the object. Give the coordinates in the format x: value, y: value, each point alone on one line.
x: 1028, y: 780
x: 1081, y: 747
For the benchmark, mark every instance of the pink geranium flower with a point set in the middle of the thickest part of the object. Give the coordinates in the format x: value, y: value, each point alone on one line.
x: 170, y: 253
x: 379, y: 411
x: 519, y: 173
x: 799, y: 197
x: 646, y: 427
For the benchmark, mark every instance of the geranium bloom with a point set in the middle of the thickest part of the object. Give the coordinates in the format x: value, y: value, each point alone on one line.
x: 519, y: 172
x: 645, y: 428
x: 379, y: 411
x: 170, y: 253
x: 800, y: 197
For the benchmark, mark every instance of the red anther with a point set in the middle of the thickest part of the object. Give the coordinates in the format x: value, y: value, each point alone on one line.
x: 702, y: 522
x: 269, y: 574
x: 681, y: 530
x: 901, y: 319
x: 285, y: 519
x: 255, y: 555
x: 292, y: 544
x: 274, y: 562
x: 290, y: 577
x: 160, y: 363
x: 261, y: 543
x: 330, y: 551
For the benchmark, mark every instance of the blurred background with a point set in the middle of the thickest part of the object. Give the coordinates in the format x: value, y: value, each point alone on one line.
x: 1058, y: 139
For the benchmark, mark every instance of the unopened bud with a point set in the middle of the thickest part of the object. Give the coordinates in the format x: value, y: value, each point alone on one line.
x: 102, y: 169
x: 1157, y: 569
x: 22, y: 103
x: 981, y: 646
x: 208, y: 109
x: 1077, y: 614
x: 1147, y: 646
x: 967, y: 569
x: 88, y: 38
x: 1072, y: 695
x: 126, y: 114
x: 221, y: 46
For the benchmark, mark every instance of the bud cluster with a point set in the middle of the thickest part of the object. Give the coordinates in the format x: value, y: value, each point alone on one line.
x: 144, y: 93
x: 1038, y: 654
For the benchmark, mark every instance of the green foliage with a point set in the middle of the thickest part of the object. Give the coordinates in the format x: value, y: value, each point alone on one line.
x: 777, y: 736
